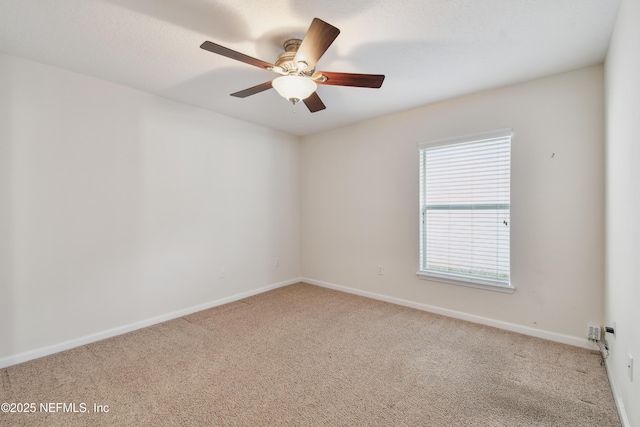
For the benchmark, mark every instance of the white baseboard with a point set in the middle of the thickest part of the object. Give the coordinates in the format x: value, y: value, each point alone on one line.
x: 45, y: 351
x: 617, y: 398
x: 88, y: 339
x: 525, y: 330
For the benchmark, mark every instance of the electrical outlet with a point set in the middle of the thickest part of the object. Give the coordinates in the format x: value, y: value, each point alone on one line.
x: 593, y: 333
x: 380, y: 270
x: 630, y: 367
x: 223, y: 273
x: 277, y: 262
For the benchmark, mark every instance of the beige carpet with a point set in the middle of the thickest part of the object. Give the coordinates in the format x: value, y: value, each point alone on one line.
x: 304, y: 355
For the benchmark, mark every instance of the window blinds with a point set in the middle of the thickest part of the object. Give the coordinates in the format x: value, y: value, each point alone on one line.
x: 465, y: 209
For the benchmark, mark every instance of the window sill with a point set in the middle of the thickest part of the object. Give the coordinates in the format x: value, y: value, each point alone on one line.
x: 478, y: 285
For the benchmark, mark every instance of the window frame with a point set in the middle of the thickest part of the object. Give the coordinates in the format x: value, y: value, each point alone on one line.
x: 481, y: 283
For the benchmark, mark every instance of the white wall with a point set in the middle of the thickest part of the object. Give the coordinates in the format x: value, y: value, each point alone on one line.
x: 360, y: 204
x: 6, y: 265
x: 119, y: 207
x: 623, y: 206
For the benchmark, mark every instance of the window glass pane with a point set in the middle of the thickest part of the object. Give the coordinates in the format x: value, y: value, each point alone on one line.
x: 465, y: 208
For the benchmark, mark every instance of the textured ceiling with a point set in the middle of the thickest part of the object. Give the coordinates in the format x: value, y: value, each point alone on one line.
x: 429, y: 50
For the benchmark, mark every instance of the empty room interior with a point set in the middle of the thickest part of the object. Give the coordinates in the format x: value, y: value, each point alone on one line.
x: 413, y: 213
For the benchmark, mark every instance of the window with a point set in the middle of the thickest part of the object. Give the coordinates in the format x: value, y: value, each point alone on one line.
x: 465, y: 210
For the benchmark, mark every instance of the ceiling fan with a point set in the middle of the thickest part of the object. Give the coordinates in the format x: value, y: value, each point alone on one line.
x: 296, y: 65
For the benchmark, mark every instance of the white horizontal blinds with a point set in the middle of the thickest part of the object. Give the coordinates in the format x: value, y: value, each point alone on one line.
x: 465, y: 201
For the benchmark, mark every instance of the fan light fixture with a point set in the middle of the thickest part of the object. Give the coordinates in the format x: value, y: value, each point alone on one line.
x: 294, y: 88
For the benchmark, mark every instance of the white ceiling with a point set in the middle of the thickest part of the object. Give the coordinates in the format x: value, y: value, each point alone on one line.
x: 429, y: 50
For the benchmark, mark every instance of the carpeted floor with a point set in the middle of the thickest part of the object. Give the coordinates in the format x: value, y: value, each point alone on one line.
x: 304, y: 355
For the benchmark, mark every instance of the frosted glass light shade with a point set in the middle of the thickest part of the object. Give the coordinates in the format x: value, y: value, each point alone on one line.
x: 294, y: 88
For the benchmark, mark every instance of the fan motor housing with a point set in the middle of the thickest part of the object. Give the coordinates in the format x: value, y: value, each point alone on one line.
x: 286, y: 59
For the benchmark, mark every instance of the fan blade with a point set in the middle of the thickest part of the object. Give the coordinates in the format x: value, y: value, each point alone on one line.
x: 347, y: 79
x: 225, y: 51
x: 252, y: 90
x: 314, y: 103
x: 315, y: 43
